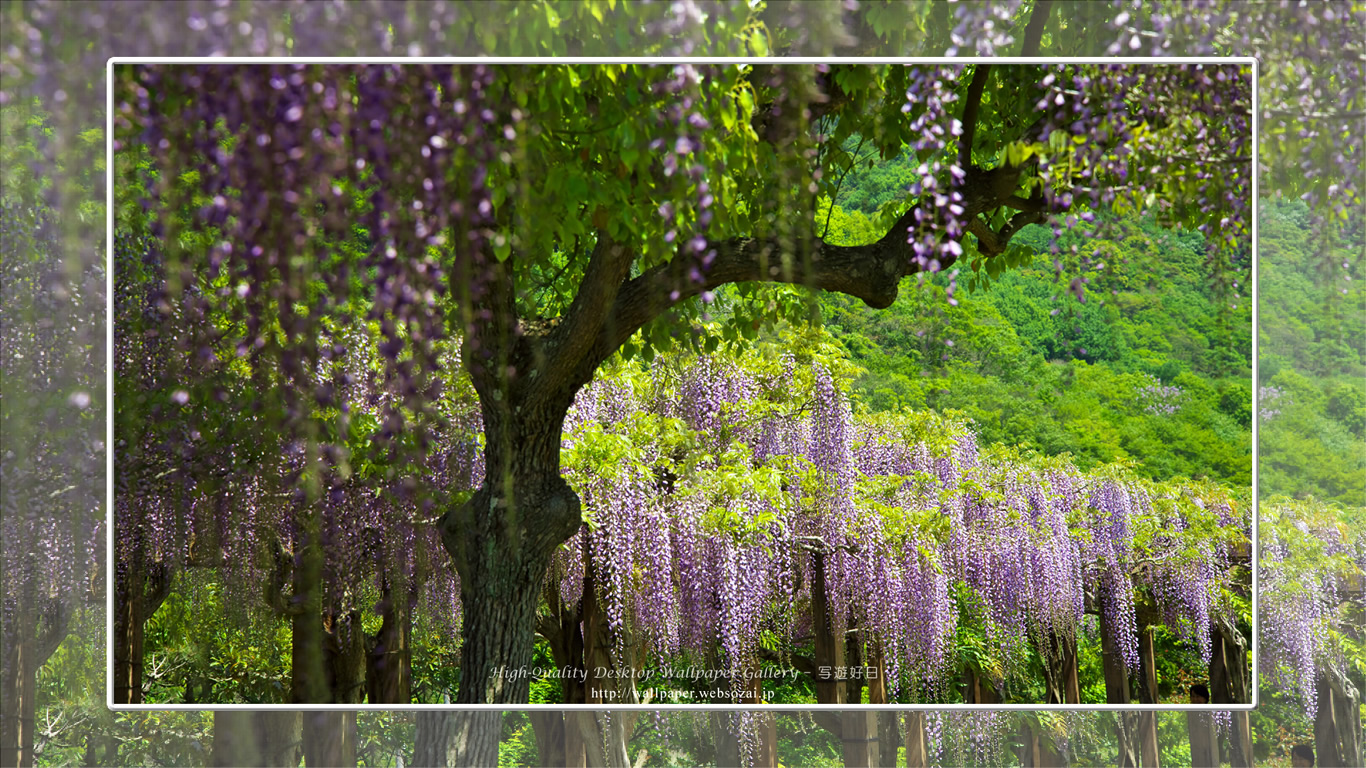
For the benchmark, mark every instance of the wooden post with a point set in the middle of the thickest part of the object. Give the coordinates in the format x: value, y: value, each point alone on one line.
x: 1149, y: 753
x: 859, y: 735
x: 766, y: 751
x: 1117, y: 692
x: 1228, y: 685
x: 1204, y: 747
x: 917, y: 754
x: 886, y: 722
x: 829, y: 651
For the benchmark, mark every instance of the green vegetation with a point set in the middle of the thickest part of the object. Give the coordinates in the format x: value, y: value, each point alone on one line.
x: 1154, y: 368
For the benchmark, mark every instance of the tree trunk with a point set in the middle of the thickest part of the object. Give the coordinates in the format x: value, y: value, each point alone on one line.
x: 853, y: 664
x: 766, y: 751
x: 1035, y: 752
x: 28, y: 699
x: 128, y: 635
x: 329, y: 739
x: 453, y: 739
x: 1337, y: 730
x: 16, y: 627
x: 888, y: 737
x: 616, y: 727
x: 585, y: 724
x: 551, y: 744
x: 1059, y: 661
x: 31, y: 636
x: 977, y: 689
x: 388, y: 662
x: 328, y: 652
x: 575, y: 751
x: 308, y: 653
x: 265, y: 739
x: 137, y: 597
x: 17, y: 749
x: 917, y: 752
x: 502, y: 539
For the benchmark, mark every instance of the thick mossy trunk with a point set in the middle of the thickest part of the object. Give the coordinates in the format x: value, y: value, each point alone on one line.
x: 501, y: 541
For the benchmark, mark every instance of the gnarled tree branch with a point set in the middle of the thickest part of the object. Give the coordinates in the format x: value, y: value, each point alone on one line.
x: 971, y: 106
x: 568, y: 342
x: 1038, y: 18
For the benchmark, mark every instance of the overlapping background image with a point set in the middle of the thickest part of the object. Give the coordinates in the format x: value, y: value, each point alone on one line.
x: 1310, y: 421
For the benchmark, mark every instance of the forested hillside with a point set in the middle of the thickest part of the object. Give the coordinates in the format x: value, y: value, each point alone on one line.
x: 1154, y: 367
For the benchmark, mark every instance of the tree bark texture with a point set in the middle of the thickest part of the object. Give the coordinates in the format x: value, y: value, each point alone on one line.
x: 552, y: 743
x: 502, y: 541
x: 457, y: 739
x: 329, y: 739
x: 266, y: 739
